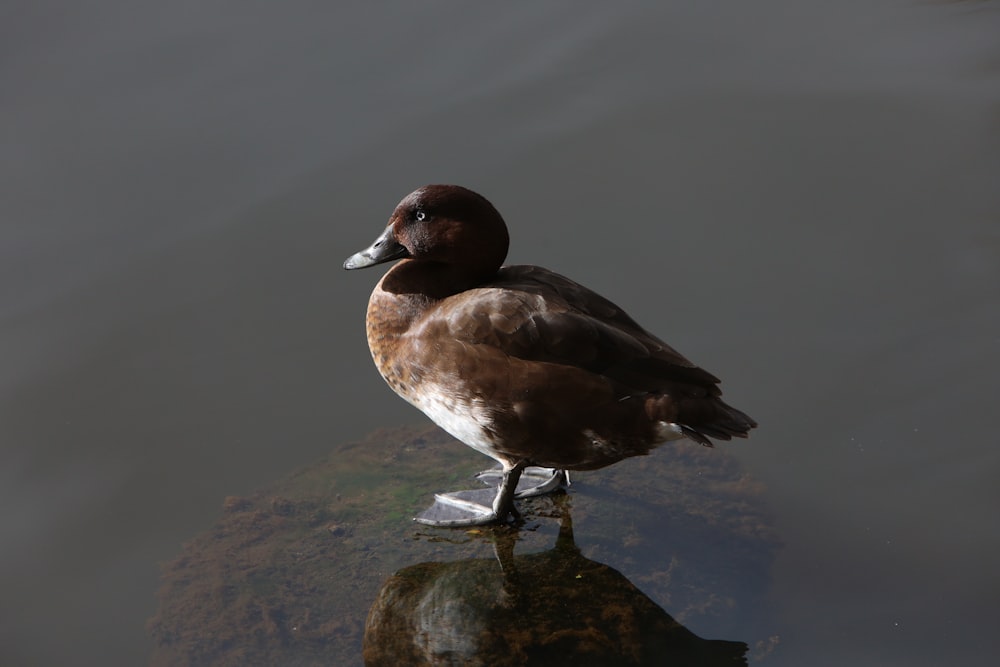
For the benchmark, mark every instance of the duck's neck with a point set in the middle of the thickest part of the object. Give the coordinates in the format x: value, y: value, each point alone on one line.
x: 432, y: 280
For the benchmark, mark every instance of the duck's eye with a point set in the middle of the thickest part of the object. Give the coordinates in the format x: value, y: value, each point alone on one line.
x: 420, y: 216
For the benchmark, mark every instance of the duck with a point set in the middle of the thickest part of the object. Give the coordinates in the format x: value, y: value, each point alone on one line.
x: 520, y: 363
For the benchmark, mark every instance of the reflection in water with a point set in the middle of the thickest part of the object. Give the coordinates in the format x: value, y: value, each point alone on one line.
x: 553, y: 608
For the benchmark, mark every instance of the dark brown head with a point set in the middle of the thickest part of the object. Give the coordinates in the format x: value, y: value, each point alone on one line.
x: 441, y: 224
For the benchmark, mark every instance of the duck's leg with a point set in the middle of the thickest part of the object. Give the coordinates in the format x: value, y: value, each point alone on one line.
x: 475, y: 508
x: 535, y: 481
x: 503, y: 504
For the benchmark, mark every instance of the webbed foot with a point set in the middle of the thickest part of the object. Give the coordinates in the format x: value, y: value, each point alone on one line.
x: 461, y: 508
x: 475, y: 508
x: 535, y: 481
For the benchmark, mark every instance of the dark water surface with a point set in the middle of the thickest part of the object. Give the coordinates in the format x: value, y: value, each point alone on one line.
x: 800, y: 196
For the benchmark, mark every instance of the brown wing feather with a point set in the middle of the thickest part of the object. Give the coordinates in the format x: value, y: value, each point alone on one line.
x: 534, y: 314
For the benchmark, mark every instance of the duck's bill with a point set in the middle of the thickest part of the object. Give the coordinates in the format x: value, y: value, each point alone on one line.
x: 385, y: 249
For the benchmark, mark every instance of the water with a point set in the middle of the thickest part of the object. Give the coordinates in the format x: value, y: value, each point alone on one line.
x: 801, y: 197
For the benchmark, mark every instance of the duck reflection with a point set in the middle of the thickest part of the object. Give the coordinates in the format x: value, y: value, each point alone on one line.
x: 551, y: 608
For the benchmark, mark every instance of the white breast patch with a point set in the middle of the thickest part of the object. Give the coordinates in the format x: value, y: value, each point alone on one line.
x: 465, y: 420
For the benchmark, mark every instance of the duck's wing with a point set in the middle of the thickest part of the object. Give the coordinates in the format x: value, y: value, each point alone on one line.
x: 535, y: 314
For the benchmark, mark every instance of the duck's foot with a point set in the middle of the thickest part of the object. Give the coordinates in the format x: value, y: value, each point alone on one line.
x: 461, y: 508
x: 535, y: 481
x: 475, y: 508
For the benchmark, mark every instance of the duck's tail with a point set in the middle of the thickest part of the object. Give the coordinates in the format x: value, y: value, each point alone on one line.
x: 713, y: 418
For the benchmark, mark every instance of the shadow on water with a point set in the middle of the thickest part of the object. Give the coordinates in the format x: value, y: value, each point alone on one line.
x: 553, y: 608
x: 288, y: 575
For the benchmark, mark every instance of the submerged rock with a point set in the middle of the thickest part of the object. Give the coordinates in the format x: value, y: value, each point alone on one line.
x: 288, y: 574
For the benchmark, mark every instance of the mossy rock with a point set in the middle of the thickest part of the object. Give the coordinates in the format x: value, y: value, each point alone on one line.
x: 288, y: 575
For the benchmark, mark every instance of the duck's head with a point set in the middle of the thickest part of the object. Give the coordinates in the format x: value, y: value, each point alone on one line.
x: 441, y: 224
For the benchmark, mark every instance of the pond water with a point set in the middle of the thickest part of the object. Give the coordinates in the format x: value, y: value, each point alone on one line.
x: 802, y: 197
